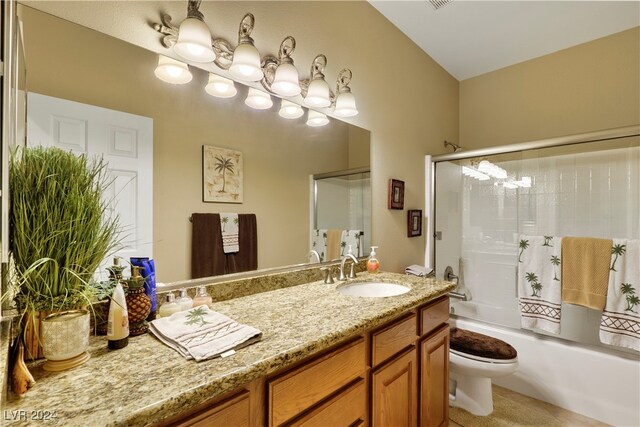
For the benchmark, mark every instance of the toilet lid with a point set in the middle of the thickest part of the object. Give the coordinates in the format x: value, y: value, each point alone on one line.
x: 481, y: 347
x: 483, y: 359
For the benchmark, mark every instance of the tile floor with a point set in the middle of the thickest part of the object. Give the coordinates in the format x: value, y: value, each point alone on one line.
x: 566, y: 418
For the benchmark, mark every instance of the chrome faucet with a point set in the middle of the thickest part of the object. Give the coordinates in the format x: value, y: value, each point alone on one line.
x: 352, y: 272
x: 328, y: 275
x: 311, y: 255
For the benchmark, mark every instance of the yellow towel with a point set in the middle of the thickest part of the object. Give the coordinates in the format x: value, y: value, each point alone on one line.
x: 333, y: 244
x: 585, y: 271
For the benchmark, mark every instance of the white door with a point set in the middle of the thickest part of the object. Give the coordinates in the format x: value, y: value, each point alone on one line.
x: 126, y: 143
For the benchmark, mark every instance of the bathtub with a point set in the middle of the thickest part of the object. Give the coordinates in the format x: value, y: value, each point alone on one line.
x: 595, y: 382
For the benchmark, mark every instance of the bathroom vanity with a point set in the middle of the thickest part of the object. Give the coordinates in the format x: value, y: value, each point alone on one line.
x: 324, y: 359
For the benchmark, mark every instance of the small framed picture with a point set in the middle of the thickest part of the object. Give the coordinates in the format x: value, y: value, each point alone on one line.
x: 396, y: 194
x: 414, y: 223
x: 221, y: 175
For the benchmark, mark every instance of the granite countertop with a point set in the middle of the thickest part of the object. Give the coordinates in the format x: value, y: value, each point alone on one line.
x: 147, y: 381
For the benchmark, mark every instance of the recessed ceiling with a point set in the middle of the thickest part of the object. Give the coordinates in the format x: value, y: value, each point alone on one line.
x: 469, y: 38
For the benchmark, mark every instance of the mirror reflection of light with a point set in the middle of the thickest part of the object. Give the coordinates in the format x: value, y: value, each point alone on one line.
x: 171, y: 71
x: 289, y: 110
x: 258, y: 99
x: 220, y: 87
x: 317, y: 119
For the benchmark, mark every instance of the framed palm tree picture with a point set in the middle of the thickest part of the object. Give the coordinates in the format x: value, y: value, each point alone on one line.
x: 221, y: 175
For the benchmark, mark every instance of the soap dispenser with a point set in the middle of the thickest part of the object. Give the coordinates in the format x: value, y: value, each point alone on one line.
x: 169, y: 306
x: 184, y: 300
x: 202, y: 297
x: 373, y: 265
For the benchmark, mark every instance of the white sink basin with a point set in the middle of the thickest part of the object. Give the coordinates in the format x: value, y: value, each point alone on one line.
x: 372, y: 289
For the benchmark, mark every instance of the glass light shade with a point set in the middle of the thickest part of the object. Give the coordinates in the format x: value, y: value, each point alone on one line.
x: 318, y: 94
x: 220, y: 87
x: 345, y: 105
x: 258, y: 99
x: 194, y: 41
x: 286, y: 82
x: 246, y: 63
x: 171, y: 71
x: 290, y: 110
x: 316, y: 119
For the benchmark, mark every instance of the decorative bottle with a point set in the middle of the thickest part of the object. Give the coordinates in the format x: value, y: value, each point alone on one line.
x: 184, y: 300
x: 118, y: 326
x: 138, y: 303
x: 169, y: 306
x: 202, y: 297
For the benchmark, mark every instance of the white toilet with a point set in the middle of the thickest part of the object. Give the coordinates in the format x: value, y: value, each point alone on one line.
x: 474, y: 359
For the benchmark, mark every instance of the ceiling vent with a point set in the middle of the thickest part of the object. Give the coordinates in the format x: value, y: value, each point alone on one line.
x: 437, y: 4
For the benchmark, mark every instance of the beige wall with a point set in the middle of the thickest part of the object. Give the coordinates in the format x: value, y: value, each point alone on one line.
x: 588, y: 87
x: 407, y: 101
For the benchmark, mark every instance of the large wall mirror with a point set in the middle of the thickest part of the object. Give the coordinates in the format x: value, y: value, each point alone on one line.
x: 71, y: 62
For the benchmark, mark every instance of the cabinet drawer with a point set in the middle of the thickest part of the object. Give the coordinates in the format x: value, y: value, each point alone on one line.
x: 392, y: 339
x: 346, y: 409
x: 434, y: 315
x: 234, y: 412
x: 299, y: 389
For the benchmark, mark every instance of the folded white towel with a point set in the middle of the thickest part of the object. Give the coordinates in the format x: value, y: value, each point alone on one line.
x: 229, y: 225
x: 418, y: 270
x: 350, y: 238
x: 319, y: 242
x: 620, y: 323
x: 539, y: 282
x: 200, y: 333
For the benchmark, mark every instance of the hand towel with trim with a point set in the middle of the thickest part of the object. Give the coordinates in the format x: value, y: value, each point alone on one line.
x: 585, y: 271
x: 539, y: 282
x: 620, y: 322
x: 333, y: 244
x: 229, y: 225
x: 418, y: 270
x: 201, y: 333
x: 350, y: 238
x: 319, y: 242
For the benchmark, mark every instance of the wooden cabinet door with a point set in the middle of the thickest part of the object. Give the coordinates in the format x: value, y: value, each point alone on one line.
x: 434, y: 379
x: 234, y: 412
x: 348, y: 408
x: 395, y: 392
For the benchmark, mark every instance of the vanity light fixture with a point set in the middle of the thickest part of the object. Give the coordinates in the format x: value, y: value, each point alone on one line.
x: 194, y: 37
x: 345, y: 101
x: 286, y: 80
x: 220, y: 87
x: 171, y: 71
x: 246, y: 58
x: 278, y: 75
x: 258, y: 99
x: 290, y: 110
x: 318, y: 92
x: 315, y: 118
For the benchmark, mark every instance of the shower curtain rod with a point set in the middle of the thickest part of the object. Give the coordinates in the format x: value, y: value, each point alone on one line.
x: 616, y: 133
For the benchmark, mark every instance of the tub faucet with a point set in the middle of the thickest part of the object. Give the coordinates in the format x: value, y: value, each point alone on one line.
x: 312, y: 254
x: 352, y: 272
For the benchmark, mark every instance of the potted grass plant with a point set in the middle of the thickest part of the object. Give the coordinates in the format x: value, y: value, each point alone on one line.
x: 62, y: 228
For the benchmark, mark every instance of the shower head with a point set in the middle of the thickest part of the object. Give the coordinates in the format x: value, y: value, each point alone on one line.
x: 456, y: 147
